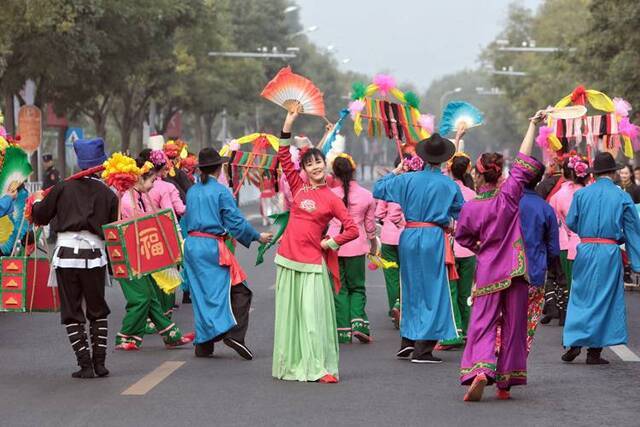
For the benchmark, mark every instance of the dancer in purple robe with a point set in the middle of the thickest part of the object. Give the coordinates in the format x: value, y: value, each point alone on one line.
x: 490, y: 227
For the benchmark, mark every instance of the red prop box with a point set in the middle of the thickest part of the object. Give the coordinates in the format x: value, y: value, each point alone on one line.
x: 23, y: 285
x: 143, y: 245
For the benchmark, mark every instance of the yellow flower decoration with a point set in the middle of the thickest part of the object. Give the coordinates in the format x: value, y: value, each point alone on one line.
x: 348, y: 157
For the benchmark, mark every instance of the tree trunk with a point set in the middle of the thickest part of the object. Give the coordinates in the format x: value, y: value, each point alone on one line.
x: 199, y: 132
x: 9, y: 119
x: 100, y: 124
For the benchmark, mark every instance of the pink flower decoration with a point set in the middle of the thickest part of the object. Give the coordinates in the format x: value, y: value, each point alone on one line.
x: 158, y: 158
x: 543, y: 137
x: 622, y: 107
x: 355, y: 107
x: 372, y: 266
x: 415, y: 163
x: 427, y: 122
x: 581, y: 169
x: 628, y: 129
x: 3, y: 132
x: 384, y: 82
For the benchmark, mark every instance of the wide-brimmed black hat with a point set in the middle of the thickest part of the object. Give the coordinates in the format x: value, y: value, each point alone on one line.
x: 604, y: 162
x: 210, y: 157
x: 435, y: 149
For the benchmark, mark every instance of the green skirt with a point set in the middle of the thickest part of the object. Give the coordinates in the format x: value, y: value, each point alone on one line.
x: 305, y: 344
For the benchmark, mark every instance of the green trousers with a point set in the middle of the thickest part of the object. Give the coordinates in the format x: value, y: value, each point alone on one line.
x: 460, y: 292
x: 391, y: 275
x: 567, y: 267
x: 166, y: 300
x: 352, y: 299
x: 143, y: 303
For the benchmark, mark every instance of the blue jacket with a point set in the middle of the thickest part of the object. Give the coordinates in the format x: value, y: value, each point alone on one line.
x: 539, y: 227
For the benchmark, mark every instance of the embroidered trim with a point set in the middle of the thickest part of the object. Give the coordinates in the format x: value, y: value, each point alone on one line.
x: 487, y: 194
x: 507, y: 376
x: 504, y: 284
x: 525, y: 164
x: 476, y: 366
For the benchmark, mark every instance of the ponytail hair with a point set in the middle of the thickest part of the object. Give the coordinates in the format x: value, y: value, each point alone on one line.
x: 205, y: 171
x: 343, y: 170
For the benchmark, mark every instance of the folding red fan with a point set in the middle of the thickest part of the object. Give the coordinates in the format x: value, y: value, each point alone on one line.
x: 288, y: 89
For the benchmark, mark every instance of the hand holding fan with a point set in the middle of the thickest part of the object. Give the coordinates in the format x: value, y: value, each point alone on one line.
x: 294, y: 93
x: 459, y: 115
x: 15, y: 170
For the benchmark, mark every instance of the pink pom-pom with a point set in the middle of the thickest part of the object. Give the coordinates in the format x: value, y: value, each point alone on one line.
x: 233, y: 145
x: 427, y: 122
x: 384, y: 82
x: 3, y: 132
x: 628, y: 129
x: 372, y: 266
x: 543, y: 135
x: 622, y: 107
x: 158, y: 157
x: 355, y: 107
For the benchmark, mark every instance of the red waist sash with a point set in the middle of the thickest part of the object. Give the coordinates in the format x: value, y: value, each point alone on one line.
x: 449, y: 258
x: 598, y: 240
x: 226, y: 258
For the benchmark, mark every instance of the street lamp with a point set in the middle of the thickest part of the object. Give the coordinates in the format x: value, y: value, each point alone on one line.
x: 311, y: 29
x: 447, y: 93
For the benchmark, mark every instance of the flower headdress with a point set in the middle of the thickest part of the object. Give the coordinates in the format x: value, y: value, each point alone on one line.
x: 456, y: 155
x: 158, y: 158
x: 349, y: 158
x: 577, y: 163
x: 414, y: 163
x: 122, y: 172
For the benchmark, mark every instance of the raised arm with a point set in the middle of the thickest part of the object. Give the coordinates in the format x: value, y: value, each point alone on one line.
x: 45, y: 209
x: 284, y: 155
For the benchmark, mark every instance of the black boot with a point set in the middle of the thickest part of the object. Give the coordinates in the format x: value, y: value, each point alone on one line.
x: 563, y: 317
x: 571, y: 354
x: 186, y: 297
x: 99, y: 329
x: 550, y: 309
x: 78, y: 339
x: 204, y: 349
x: 594, y: 358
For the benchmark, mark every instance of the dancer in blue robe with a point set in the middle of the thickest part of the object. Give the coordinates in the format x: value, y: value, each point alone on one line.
x: 220, y: 297
x: 429, y: 201
x: 604, y: 216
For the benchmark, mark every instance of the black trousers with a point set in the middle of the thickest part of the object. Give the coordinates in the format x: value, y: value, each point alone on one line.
x: 240, y: 305
x: 421, y: 347
x: 76, y: 285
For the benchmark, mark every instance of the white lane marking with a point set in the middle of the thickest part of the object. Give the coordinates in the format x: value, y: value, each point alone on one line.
x: 253, y: 217
x: 152, y: 379
x: 625, y: 353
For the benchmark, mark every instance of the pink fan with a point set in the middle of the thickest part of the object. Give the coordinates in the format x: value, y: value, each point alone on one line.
x: 291, y: 90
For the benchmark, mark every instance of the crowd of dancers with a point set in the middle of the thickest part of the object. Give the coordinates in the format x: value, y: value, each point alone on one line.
x: 481, y: 257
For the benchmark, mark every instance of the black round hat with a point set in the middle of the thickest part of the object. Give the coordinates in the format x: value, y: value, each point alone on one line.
x: 435, y: 149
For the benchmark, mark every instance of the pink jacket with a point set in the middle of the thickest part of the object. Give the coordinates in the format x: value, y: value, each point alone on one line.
x: 467, y: 194
x: 362, y: 208
x: 392, y: 222
x: 561, y: 202
x: 130, y: 206
x: 166, y: 196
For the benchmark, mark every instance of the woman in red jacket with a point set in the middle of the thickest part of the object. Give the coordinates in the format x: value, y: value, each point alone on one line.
x: 305, y: 340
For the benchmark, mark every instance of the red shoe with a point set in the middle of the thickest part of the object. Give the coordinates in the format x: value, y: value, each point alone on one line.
x: 474, y: 394
x: 182, y: 341
x: 362, y: 337
x: 127, y: 346
x: 190, y: 336
x: 503, y: 394
x: 328, y: 379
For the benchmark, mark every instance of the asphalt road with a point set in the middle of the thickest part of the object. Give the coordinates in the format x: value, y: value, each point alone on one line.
x: 375, y: 389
